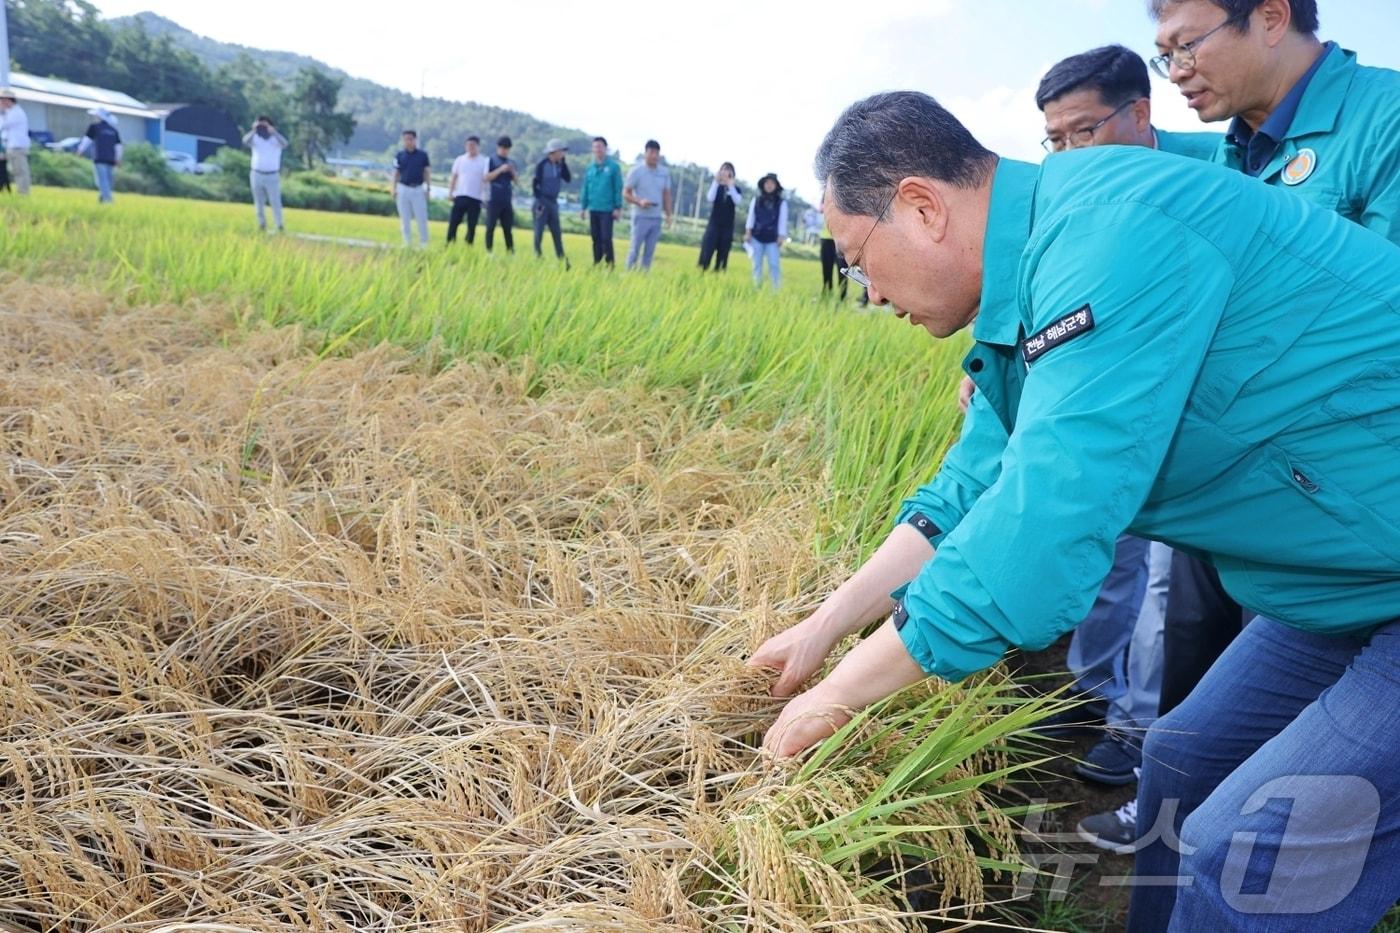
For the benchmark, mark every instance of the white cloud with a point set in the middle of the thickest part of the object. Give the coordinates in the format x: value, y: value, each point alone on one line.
x: 1004, y: 119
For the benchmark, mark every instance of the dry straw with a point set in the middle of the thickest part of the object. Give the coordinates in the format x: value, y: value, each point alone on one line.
x: 292, y: 642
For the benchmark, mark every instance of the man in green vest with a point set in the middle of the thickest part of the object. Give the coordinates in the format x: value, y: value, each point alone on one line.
x: 600, y: 200
x: 1167, y: 349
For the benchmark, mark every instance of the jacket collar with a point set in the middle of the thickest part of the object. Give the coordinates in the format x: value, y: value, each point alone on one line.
x: 1317, y: 111
x: 1008, y: 231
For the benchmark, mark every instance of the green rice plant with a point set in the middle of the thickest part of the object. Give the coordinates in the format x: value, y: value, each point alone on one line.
x: 883, y: 393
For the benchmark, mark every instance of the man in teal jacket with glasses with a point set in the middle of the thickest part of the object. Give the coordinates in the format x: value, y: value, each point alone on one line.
x: 1169, y: 349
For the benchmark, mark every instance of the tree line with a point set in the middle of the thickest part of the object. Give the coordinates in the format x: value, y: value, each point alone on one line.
x: 318, y: 108
x: 68, y: 39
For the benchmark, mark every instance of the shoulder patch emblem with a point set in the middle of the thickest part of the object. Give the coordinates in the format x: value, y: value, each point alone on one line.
x: 1074, y: 324
x: 1300, y: 167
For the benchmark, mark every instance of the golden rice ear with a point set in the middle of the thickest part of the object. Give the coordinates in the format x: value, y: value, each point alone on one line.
x: 294, y: 637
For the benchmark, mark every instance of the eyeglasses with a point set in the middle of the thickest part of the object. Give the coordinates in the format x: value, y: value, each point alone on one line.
x: 853, y: 271
x: 1078, y: 139
x: 1184, y: 56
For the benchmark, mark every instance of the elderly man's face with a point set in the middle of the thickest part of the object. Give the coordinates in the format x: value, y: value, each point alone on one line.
x: 5, y: 104
x: 909, y: 260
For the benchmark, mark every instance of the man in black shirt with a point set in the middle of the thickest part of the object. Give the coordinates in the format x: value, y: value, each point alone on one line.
x: 105, y: 144
x: 410, y: 187
x: 501, y: 173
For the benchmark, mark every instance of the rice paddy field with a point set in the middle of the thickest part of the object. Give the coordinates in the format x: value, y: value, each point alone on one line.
x: 355, y: 589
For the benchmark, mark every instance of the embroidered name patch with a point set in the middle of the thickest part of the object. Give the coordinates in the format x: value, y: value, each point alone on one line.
x: 1072, y: 325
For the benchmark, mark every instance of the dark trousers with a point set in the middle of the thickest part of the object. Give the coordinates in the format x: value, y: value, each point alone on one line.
x: 504, y: 214
x: 4, y: 173
x: 600, y: 228
x: 1201, y: 621
x: 832, y: 262
x: 463, y: 206
x: 547, y: 215
x: 715, y: 245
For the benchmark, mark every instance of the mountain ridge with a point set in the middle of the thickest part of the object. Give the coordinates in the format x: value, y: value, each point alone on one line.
x: 381, y: 111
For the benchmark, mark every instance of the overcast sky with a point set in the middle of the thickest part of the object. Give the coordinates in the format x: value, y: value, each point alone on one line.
x: 756, y: 83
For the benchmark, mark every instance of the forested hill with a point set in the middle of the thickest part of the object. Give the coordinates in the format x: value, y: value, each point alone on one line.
x: 155, y: 59
x: 381, y: 113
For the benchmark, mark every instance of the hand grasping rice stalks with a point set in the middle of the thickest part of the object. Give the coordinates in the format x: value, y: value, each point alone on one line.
x: 348, y: 644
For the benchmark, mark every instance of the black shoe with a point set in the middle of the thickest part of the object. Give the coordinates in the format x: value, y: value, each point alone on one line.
x: 1084, y: 719
x: 1115, y: 831
x: 1114, y: 760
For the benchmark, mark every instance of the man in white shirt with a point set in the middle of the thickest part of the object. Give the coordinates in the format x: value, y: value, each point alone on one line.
x: 467, y: 189
x: 266, y: 177
x: 14, y: 126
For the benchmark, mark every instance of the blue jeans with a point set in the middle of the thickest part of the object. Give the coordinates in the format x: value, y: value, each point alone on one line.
x: 102, y: 171
x: 1280, y: 774
x: 771, y: 251
x: 1098, y: 648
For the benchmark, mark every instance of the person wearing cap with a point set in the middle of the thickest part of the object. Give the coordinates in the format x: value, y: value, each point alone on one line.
x: 14, y: 127
x: 551, y: 175
x: 765, y: 230
x: 601, y: 200
x: 412, y: 179
x: 501, y: 173
x: 466, y: 187
x: 265, y: 177
x: 105, y: 143
x: 648, y: 190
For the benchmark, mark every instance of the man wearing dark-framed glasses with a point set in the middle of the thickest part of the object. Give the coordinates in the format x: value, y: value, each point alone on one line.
x: 1103, y: 98
x: 1304, y: 113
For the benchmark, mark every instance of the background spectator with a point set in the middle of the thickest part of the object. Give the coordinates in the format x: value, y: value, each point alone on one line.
x: 466, y: 189
x: 724, y: 200
x: 766, y: 228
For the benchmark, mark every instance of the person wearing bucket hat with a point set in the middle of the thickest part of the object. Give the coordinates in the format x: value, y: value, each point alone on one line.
x: 766, y: 228
x: 14, y: 128
x: 551, y: 175
x: 104, y: 141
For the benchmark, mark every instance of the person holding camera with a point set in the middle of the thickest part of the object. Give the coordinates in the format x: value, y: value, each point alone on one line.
x: 724, y: 198
x: 265, y: 178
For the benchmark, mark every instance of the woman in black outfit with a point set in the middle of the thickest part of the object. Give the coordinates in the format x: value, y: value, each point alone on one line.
x: 719, y: 232
x: 832, y: 263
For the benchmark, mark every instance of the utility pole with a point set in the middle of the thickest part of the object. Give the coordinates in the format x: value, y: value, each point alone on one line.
x: 4, y: 48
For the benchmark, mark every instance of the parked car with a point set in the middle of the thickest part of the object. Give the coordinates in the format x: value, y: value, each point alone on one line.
x: 184, y: 164
x: 67, y: 144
